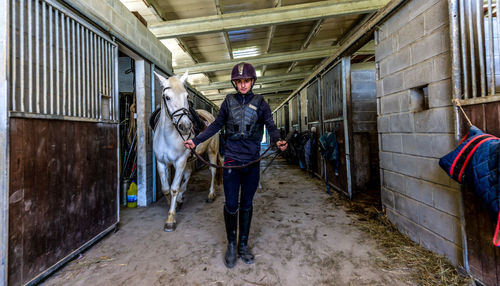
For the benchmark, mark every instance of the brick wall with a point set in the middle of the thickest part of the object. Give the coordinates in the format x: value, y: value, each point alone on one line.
x: 415, y: 124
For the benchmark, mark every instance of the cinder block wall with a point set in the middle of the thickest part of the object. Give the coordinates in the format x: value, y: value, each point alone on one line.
x: 413, y: 52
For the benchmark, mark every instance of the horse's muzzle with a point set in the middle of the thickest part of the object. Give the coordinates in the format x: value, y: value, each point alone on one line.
x: 184, y: 127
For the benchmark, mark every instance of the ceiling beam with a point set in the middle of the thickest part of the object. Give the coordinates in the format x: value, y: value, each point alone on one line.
x: 226, y: 36
x: 264, y: 79
x: 155, y: 8
x: 258, y: 90
x: 314, y: 31
x: 267, y: 59
x: 270, y: 36
x: 264, y: 17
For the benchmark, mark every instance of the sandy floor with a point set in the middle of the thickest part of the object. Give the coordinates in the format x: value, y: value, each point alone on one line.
x: 299, y: 237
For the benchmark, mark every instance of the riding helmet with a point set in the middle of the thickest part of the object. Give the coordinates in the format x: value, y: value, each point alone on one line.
x: 243, y: 70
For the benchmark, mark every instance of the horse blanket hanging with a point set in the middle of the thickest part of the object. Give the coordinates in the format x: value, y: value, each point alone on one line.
x: 476, y: 162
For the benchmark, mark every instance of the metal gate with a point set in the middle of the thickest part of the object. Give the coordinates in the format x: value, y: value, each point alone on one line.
x: 63, y: 137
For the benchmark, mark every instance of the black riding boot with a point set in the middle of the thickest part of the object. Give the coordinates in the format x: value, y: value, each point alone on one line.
x: 243, y: 250
x: 231, y: 220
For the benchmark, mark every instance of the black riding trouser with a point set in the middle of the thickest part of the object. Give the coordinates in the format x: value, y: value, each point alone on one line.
x: 246, y: 178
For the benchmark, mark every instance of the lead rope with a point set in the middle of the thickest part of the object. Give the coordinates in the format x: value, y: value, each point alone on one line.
x: 457, y: 102
x: 230, y: 167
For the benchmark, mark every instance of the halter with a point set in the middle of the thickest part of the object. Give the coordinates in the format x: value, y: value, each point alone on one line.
x: 179, y: 113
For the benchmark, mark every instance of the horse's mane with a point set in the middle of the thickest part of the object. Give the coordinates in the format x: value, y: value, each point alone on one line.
x: 176, y: 85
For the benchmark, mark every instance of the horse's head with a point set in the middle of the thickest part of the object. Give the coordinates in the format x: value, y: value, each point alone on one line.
x: 175, y: 101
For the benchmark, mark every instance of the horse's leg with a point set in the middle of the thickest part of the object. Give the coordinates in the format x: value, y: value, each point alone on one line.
x: 212, y: 155
x: 164, y: 178
x: 179, y: 165
x: 185, y: 180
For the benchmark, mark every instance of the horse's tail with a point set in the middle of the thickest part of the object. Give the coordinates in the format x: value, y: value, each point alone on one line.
x: 219, y: 172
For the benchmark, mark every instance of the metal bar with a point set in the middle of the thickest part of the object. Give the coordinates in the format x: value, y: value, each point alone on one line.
x: 74, y: 80
x: 96, y: 75
x: 21, y: 55
x: 472, y: 49
x: 99, y: 79
x: 108, y: 83
x: 152, y: 110
x: 457, y: 92
x: 64, y: 74
x: 78, y: 56
x: 480, y: 46
x: 498, y: 25
x: 87, y: 77
x: 346, y: 96
x: 14, y: 62
x: 82, y: 67
x: 463, y: 46
x: 58, y: 86
x: 44, y: 51
x: 113, y: 71
x: 13, y: 114
x: 480, y: 100
x: 118, y: 149
x: 51, y: 62
x: 37, y: 56
x: 30, y: 56
x: 492, y: 50
x: 68, y: 75
x: 91, y: 78
x: 110, y: 76
x: 6, y: 60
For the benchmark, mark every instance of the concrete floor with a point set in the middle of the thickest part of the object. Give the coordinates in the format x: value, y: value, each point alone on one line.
x: 299, y: 237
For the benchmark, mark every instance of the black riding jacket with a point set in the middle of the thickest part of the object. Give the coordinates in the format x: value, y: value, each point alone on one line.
x: 244, y: 149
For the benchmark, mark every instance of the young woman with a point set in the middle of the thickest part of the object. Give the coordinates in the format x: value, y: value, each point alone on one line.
x: 244, y: 114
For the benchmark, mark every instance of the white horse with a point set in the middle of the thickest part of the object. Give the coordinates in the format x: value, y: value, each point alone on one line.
x: 173, y: 127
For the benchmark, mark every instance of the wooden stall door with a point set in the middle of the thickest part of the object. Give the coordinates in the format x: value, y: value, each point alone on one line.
x: 313, y: 120
x: 63, y: 186
x: 334, y: 90
x: 484, y: 257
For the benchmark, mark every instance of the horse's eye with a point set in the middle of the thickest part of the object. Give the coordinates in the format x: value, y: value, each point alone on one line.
x: 167, y: 97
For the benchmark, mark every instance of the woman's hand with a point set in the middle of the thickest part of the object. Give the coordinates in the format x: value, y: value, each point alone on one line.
x: 282, y: 145
x: 189, y: 144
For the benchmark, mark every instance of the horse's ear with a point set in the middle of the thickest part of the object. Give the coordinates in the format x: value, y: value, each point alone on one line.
x: 184, y: 77
x: 163, y: 80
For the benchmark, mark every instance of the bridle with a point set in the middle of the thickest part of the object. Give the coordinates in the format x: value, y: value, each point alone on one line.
x: 177, y: 114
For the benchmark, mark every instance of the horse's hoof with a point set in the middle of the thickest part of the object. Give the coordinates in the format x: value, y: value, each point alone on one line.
x: 210, y: 200
x: 169, y: 227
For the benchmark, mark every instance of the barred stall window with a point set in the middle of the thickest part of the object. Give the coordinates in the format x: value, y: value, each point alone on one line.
x: 313, y: 103
x: 294, y: 110
x: 62, y: 66
x: 331, y: 89
x: 479, y: 56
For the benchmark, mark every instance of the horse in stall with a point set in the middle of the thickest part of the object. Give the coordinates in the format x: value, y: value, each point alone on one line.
x: 173, y: 127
